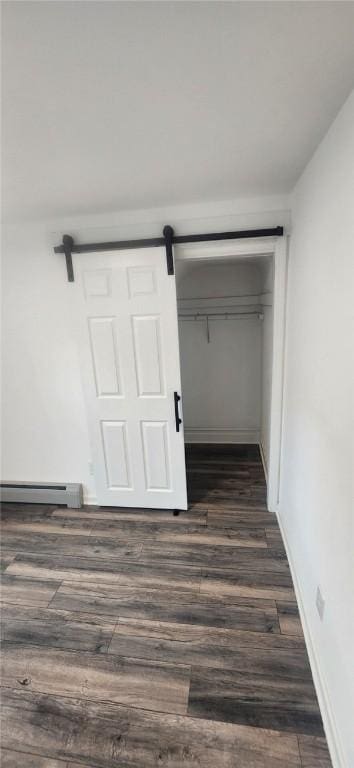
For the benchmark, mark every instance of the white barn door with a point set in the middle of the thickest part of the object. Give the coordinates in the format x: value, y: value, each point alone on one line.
x: 131, y: 372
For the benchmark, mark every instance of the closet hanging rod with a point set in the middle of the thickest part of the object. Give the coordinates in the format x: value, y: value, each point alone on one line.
x: 211, y: 315
x: 230, y: 296
x: 169, y: 239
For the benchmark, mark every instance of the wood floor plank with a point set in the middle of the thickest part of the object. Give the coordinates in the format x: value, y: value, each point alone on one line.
x: 12, y: 759
x: 196, y: 457
x: 80, y: 765
x: 231, y: 470
x: 244, y: 468
x: 239, y: 519
x: 69, y: 544
x: 231, y: 497
x: 200, y: 634
x: 314, y: 752
x: 255, y: 699
x: 154, y: 576
x: 120, y: 514
x: 30, y: 512
x: 225, y: 465
x: 220, y: 480
x: 220, y: 487
x: 130, y: 531
x: 5, y: 559
x: 15, y: 589
x: 114, y: 736
x: 15, y: 759
x: 246, y: 558
x: 57, y: 629
x: 80, y: 674
x: 64, y: 525
x: 168, y: 605
x: 246, y: 583
x: 241, y: 474
x: 212, y: 483
x: 244, y: 537
x: 289, y: 618
x: 232, y: 505
x: 256, y: 653
x: 181, y: 534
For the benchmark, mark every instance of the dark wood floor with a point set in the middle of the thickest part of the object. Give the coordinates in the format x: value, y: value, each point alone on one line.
x: 135, y: 639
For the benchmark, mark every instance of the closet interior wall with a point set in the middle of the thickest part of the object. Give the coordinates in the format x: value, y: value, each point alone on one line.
x: 225, y: 328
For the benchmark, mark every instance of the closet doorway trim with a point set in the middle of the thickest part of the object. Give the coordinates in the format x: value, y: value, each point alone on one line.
x: 277, y: 247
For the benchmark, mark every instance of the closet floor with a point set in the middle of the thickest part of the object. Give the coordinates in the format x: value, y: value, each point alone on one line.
x: 136, y: 639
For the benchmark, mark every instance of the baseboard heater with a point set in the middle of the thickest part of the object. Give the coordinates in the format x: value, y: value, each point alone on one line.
x: 42, y: 493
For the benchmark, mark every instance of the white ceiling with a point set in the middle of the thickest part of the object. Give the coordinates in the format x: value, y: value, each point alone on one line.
x: 114, y: 105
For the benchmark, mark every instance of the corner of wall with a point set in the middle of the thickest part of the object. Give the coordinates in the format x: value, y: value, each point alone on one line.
x: 264, y: 461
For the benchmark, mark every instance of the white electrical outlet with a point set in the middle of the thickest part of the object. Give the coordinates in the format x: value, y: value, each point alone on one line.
x: 90, y: 466
x: 320, y: 603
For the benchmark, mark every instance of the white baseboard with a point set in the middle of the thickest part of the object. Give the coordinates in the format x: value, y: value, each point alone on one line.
x: 220, y: 435
x: 329, y: 724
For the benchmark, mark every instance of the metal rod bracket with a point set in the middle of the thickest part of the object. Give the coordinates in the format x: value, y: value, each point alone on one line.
x: 168, y: 235
x: 68, y: 243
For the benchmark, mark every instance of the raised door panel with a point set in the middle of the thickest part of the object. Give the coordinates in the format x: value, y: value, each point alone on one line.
x: 116, y: 454
x: 97, y: 283
x: 105, y: 360
x: 141, y: 281
x: 156, y: 455
x: 148, y: 355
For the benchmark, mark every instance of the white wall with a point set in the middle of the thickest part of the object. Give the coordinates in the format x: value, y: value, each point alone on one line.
x: 316, y: 499
x: 44, y: 432
x: 267, y: 358
x: 221, y: 379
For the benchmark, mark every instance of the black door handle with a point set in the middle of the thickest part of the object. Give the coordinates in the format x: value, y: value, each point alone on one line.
x: 177, y: 398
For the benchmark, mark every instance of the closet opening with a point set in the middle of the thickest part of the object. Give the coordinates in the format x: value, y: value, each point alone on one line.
x: 226, y: 332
